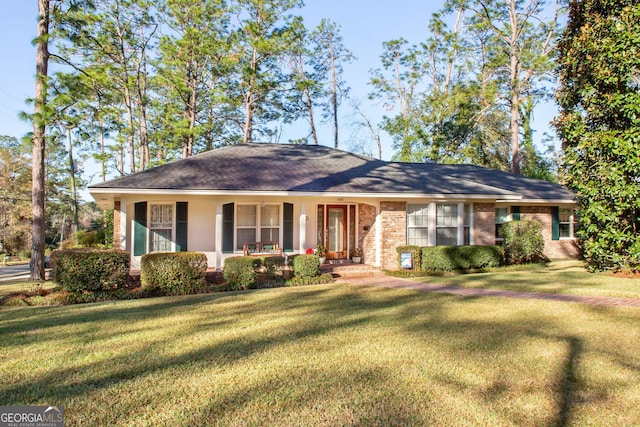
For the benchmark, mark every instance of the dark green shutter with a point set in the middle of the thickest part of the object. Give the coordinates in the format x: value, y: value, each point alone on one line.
x: 555, y: 223
x: 227, y: 228
x: 287, y: 222
x: 515, y: 213
x: 140, y: 229
x: 182, y: 216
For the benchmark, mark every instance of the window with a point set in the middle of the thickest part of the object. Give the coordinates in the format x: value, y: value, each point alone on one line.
x: 270, y: 223
x: 467, y: 224
x: 418, y: 225
x: 565, y: 222
x: 446, y: 225
x: 502, y: 216
x: 246, y: 225
x: 161, y: 228
x: 247, y: 219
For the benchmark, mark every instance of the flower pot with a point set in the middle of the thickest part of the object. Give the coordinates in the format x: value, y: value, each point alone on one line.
x: 356, y: 259
x: 322, y: 260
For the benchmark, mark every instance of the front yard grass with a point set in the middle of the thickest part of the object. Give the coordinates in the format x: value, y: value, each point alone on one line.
x: 558, y: 277
x: 325, y: 355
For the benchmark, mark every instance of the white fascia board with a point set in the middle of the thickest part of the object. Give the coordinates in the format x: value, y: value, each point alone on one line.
x: 547, y: 202
x: 120, y: 191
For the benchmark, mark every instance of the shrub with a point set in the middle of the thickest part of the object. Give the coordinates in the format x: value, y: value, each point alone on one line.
x: 272, y: 264
x: 240, y: 272
x: 416, y: 255
x: 173, y: 273
x: 306, y: 266
x: 78, y: 270
x: 523, y: 242
x: 452, y: 258
x: 317, y: 280
x: 81, y: 239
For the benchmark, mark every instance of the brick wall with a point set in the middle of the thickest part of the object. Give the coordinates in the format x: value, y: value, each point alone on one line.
x: 567, y: 248
x: 393, y: 222
x: 484, y: 224
x: 367, y: 232
x: 117, y: 235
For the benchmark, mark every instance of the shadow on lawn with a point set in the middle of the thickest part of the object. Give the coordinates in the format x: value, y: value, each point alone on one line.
x: 314, y: 312
x: 568, y: 382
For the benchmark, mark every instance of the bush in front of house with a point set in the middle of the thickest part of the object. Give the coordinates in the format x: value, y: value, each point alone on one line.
x: 455, y: 258
x: 173, y: 273
x: 306, y: 266
x: 322, y: 279
x: 241, y: 272
x: 272, y: 265
x: 79, y: 270
x: 523, y: 242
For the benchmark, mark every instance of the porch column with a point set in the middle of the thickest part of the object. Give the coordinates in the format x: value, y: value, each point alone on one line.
x: 122, y: 243
x: 218, y: 234
x: 302, y: 225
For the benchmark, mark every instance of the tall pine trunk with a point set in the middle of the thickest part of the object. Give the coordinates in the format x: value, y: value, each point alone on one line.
x: 39, y: 133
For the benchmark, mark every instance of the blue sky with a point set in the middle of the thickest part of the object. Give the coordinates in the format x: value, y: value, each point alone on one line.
x: 364, y: 25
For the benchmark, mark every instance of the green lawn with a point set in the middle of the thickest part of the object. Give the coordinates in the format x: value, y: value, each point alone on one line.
x: 559, y: 277
x: 325, y: 355
x: 22, y: 285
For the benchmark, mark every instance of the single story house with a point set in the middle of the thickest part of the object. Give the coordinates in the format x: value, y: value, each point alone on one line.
x: 293, y: 197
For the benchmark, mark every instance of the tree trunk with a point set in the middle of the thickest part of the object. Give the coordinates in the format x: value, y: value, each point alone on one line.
x: 515, y: 112
x: 334, y: 91
x: 312, y: 121
x: 38, y: 155
x: 248, y: 121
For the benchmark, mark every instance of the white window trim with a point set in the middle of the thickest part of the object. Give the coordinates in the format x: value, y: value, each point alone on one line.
x: 508, y: 218
x: 427, y: 226
x: 173, y: 224
x: 432, y: 213
x: 258, y: 225
x: 572, y: 235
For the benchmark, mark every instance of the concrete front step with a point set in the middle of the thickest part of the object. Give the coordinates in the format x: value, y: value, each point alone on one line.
x: 350, y: 270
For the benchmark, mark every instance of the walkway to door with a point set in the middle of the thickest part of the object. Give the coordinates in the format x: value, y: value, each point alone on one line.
x: 399, y: 283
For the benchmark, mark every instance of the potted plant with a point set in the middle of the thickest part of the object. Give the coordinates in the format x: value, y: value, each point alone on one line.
x: 321, y: 251
x: 356, y: 255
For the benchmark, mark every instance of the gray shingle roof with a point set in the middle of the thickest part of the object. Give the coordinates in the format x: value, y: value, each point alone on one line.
x: 320, y: 169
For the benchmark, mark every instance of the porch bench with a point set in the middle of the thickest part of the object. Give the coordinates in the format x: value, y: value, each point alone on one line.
x: 261, y: 248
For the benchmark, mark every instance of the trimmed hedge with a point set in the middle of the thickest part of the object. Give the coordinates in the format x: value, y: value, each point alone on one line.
x: 79, y: 270
x: 306, y: 265
x: 173, y: 273
x: 523, y: 242
x: 241, y: 272
x: 452, y: 258
x: 322, y: 279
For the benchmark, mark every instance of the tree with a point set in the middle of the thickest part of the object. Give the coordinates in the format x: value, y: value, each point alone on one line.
x: 461, y: 92
x: 15, y: 197
x: 195, y: 59
x: 263, y: 39
x: 599, y: 125
x: 523, y: 44
x: 329, y: 54
x: 395, y: 84
x: 109, y: 42
x: 38, y: 151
